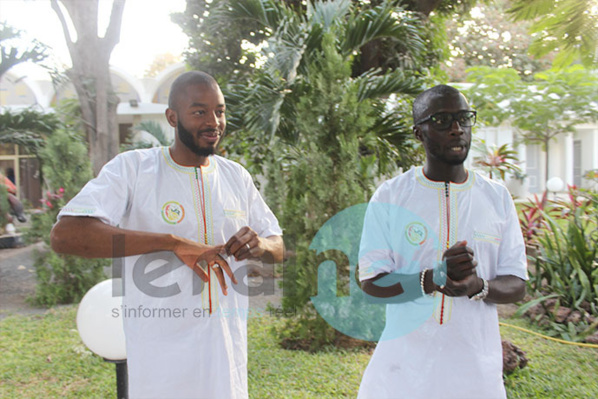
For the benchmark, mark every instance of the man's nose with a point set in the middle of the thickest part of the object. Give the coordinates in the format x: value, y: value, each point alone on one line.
x: 456, y: 128
x: 213, y: 120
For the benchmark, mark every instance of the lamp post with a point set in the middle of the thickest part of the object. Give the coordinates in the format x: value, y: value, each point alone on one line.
x: 100, y: 325
x: 555, y: 184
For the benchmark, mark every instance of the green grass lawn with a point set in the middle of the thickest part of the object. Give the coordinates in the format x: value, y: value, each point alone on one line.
x: 42, y: 356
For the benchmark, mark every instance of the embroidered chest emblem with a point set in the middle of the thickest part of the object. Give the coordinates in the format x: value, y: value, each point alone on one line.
x: 416, y: 233
x: 173, y: 212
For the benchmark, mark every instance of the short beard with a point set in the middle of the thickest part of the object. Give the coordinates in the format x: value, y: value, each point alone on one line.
x: 456, y: 162
x: 187, y: 138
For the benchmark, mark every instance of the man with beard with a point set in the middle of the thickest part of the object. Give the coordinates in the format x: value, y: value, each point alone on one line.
x: 164, y: 208
x: 441, y: 246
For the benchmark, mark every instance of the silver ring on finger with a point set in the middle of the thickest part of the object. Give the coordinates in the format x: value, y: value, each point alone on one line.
x: 248, y: 247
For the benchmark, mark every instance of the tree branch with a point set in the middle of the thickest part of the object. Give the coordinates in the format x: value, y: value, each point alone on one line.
x: 112, y: 36
x: 84, y: 18
x: 65, y: 28
x: 424, y: 6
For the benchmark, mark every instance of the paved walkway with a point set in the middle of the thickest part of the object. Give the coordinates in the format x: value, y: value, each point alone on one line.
x: 17, y: 280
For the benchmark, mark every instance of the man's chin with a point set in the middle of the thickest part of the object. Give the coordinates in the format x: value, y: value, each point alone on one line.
x: 457, y: 160
x: 203, y: 152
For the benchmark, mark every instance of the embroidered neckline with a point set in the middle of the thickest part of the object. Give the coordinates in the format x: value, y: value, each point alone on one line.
x: 209, y: 168
x: 440, y: 185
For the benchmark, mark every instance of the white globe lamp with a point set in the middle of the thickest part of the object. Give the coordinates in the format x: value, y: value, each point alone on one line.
x: 555, y: 184
x: 100, y: 325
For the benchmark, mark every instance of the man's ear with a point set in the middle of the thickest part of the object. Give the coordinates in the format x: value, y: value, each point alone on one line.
x: 171, y: 117
x: 417, y: 133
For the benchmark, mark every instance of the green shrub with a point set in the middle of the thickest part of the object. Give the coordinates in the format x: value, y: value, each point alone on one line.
x: 322, y: 176
x: 65, y: 279
x: 66, y: 168
x: 566, y: 267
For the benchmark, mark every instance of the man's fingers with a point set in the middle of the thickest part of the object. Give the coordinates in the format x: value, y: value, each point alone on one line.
x: 461, y: 258
x: 459, y: 244
x: 220, y: 275
x: 213, y: 251
x: 243, y: 245
x: 460, y: 248
x: 247, y: 250
x: 198, y: 268
x: 224, y: 266
x: 233, y: 244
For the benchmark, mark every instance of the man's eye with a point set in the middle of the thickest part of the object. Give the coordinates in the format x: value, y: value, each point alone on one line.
x: 466, y: 118
x: 220, y: 113
x: 441, y: 119
x: 199, y: 112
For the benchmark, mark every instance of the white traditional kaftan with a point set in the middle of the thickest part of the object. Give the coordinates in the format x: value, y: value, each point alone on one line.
x: 185, y: 339
x: 454, y: 351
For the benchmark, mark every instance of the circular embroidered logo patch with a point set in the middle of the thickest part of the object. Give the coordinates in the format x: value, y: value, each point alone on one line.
x: 173, y: 212
x: 416, y: 233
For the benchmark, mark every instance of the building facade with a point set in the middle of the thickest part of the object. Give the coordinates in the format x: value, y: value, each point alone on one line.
x: 140, y: 100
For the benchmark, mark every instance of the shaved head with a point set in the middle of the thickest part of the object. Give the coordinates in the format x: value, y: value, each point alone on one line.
x: 184, y: 81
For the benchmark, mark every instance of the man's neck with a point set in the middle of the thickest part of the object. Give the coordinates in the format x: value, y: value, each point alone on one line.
x: 184, y: 157
x: 449, y: 174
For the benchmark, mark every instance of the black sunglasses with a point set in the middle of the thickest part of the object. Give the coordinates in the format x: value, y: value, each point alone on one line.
x: 444, y: 120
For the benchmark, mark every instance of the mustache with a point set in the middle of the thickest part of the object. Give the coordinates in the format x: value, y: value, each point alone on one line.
x: 210, y: 131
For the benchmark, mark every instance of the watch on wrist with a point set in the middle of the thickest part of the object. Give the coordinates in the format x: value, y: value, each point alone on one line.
x: 482, y: 294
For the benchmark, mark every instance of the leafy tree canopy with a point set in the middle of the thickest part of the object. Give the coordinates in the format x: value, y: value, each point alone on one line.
x: 27, y: 128
x: 555, y: 103
x: 14, y: 51
x: 567, y: 27
x: 488, y: 37
x: 233, y: 56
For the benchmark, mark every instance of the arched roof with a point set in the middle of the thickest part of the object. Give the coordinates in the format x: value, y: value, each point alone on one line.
x: 127, y: 86
x: 159, y: 93
x: 18, y: 89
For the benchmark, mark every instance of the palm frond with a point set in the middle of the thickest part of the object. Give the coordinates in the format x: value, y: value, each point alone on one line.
x: 567, y: 27
x: 269, y: 92
x: 328, y: 13
x: 31, y: 140
x: 269, y: 13
x: 27, y: 128
x: 155, y: 129
x: 373, y: 85
x: 384, y: 21
x: 28, y: 120
x: 523, y: 10
x: 287, y: 48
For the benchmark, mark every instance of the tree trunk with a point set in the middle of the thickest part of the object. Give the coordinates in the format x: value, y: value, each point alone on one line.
x: 90, y: 73
x: 546, y: 156
x: 423, y: 6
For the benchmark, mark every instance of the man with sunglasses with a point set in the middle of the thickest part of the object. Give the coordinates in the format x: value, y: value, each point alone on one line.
x: 457, y: 249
